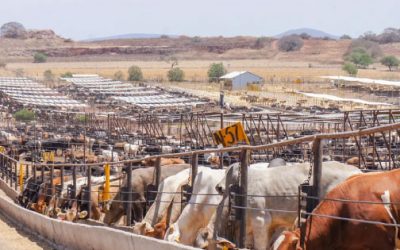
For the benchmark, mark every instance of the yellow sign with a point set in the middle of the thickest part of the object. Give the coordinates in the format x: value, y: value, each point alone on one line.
x: 48, y: 156
x: 2, y: 149
x: 231, y: 135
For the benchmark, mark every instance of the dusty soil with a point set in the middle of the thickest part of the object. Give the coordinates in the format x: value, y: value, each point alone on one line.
x: 13, y: 237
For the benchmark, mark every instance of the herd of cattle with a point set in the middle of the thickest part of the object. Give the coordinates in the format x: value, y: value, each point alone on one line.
x: 204, y: 219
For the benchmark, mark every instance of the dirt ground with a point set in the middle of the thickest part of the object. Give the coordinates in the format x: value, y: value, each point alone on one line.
x: 13, y: 237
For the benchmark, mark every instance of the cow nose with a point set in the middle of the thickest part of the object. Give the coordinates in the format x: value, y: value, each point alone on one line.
x: 219, y: 189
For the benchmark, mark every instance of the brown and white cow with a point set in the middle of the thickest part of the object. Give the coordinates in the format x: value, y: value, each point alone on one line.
x: 381, y: 189
x: 164, y: 162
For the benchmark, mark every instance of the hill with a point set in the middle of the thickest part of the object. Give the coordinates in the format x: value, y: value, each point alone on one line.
x: 311, y: 32
x: 128, y: 36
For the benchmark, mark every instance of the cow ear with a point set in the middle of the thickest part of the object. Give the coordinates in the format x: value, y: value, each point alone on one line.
x: 205, y: 234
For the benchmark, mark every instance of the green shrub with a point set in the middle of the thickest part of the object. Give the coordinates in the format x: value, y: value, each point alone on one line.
x: 176, y: 75
x: 215, y: 71
x: 360, y: 58
x: 135, y: 74
x: 350, y: 68
x: 66, y: 75
x: 24, y: 115
x: 39, y: 57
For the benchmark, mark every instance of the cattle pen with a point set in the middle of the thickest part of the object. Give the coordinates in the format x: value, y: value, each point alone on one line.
x: 16, y: 175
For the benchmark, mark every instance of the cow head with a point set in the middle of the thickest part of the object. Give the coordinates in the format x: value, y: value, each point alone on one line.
x: 157, y: 232
x: 142, y: 227
x: 231, y: 178
x: 287, y: 241
x: 114, y: 210
x: 203, y: 237
x: 173, y: 233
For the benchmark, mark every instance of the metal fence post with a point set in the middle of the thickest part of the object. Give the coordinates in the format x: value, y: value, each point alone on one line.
x: 317, y: 170
x: 16, y: 176
x: 51, y: 180
x: 243, y: 192
x: 129, y: 195
x: 158, y: 171
x: 89, y: 185
x: 195, y: 160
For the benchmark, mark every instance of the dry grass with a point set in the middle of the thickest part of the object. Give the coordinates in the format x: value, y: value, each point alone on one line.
x: 196, y: 70
x: 282, y: 78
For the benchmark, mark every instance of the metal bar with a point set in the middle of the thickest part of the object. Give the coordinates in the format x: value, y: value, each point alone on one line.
x: 243, y: 191
x: 158, y: 171
x: 317, y: 169
x: 129, y: 190
x: 195, y: 160
x: 89, y: 185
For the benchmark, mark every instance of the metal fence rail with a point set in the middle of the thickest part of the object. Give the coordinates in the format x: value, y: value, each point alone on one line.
x: 15, y: 175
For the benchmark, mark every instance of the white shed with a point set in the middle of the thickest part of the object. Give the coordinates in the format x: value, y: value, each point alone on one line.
x: 240, y: 80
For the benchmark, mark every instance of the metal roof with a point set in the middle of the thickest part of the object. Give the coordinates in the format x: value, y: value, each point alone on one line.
x: 363, y: 80
x: 233, y: 74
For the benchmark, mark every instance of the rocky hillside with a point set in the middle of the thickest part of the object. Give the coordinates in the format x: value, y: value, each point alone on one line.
x: 18, y: 44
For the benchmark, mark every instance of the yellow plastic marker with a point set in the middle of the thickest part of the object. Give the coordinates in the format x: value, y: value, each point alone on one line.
x: 106, y: 191
x: 21, y: 177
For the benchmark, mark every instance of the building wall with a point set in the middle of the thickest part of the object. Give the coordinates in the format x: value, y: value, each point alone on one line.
x: 241, y: 81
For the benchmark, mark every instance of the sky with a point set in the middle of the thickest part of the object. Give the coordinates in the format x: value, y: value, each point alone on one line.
x: 86, y: 19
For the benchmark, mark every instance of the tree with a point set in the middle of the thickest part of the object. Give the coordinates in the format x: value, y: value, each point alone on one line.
x: 370, y: 36
x: 305, y: 36
x: 48, y: 75
x: 135, y: 74
x: 372, y: 48
x: 119, y: 75
x: 215, y: 71
x: 350, y: 68
x: 13, y: 30
x: 39, y: 57
x: 345, y: 37
x: 170, y: 60
x: 24, y: 115
x: 260, y: 42
x: 290, y: 43
x: 176, y: 75
x: 390, y: 62
x: 360, y: 58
